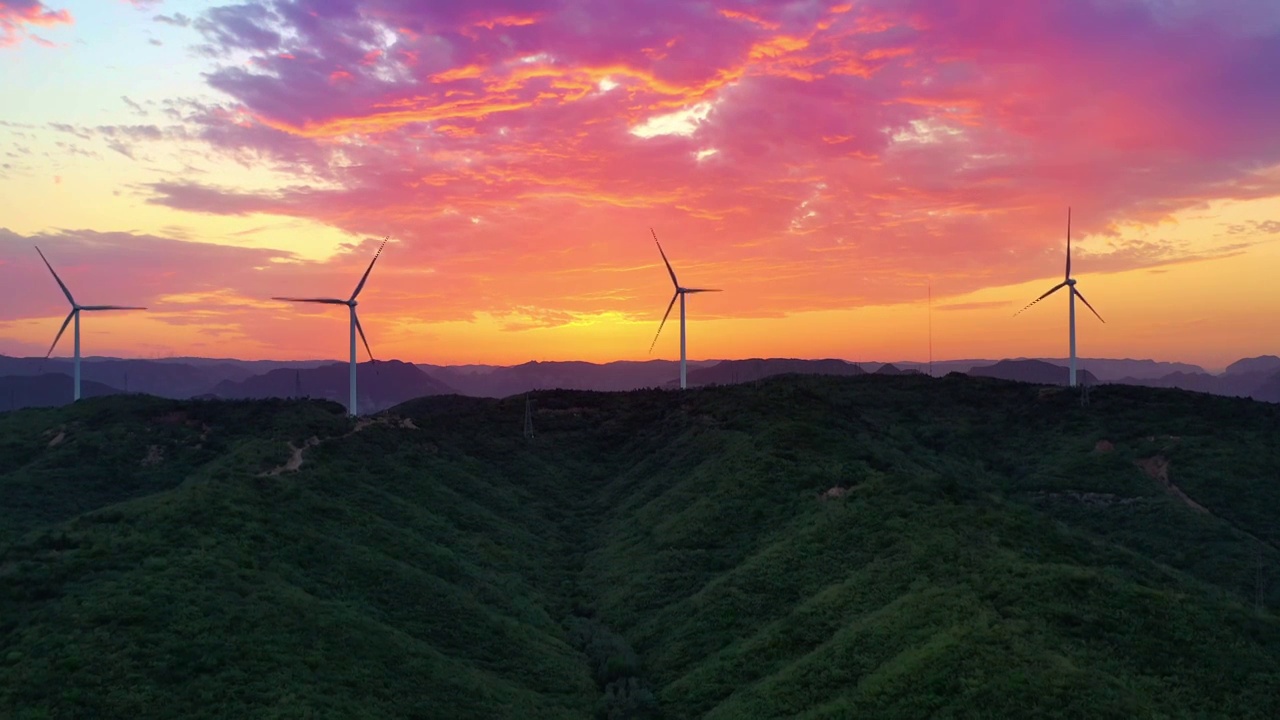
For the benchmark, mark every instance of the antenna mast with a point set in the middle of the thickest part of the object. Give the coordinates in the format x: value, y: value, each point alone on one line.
x: 528, y: 417
x: 930, y: 328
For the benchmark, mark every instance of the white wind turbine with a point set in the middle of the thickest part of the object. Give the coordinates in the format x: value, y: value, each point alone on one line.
x: 1068, y: 282
x: 680, y: 293
x: 355, y: 322
x: 75, y: 314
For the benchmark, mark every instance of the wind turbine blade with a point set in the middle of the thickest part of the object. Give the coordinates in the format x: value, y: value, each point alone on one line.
x: 371, y: 262
x: 1086, y: 303
x: 325, y: 301
x: 360, y: 330
x: 664, y: 320
x: 698, y: 290
x: 670, y: 272
x: 1051, y: 291
x: 61, y: 284
x: 1068, y: 277
x: 110, y: 307
x: 61, y: 330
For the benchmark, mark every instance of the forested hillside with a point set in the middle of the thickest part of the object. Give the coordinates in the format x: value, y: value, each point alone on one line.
x: 882, y: 546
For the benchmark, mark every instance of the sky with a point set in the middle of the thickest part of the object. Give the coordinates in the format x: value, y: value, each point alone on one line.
x: 831, y: 165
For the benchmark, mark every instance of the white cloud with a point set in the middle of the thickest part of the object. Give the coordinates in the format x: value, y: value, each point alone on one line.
x: 681, y: 122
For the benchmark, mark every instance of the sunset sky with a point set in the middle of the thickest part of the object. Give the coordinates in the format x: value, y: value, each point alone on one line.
x: 824, y: 162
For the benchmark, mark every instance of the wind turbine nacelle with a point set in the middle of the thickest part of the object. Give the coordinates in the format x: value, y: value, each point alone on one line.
x: 1071, y: 281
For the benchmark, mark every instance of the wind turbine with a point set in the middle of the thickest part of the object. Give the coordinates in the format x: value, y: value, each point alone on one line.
x: 680, y: 293
x: 75, y: 314
x: 1068, y: 282
x: 355, y: 322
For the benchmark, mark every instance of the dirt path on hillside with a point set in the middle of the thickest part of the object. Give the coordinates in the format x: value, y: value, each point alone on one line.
x: 298, y: 452
x: 295, y: 460
x: 1157, y: 468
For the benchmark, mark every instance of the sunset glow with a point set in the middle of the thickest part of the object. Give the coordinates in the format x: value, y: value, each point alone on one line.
x: 824, y: 162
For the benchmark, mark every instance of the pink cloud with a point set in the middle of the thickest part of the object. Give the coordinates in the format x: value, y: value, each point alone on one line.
x: 857, y: 147
x: 124, y: 268
x: 17, y: 15
x: 185, y: 283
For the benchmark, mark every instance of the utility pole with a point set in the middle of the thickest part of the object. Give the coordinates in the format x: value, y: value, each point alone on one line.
x: 528, y: 417
x: 1257, y: 582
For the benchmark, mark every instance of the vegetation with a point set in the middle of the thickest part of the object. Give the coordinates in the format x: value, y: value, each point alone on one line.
x: 814, y: 547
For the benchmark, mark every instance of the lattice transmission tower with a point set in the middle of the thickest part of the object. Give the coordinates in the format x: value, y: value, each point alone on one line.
x: 528, y: 418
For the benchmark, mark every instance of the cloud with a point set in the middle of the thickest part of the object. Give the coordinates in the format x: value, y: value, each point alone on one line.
x: 121, y: 268
x: 222, y: 289
x: 239, y: 27
x: 134, y: 106
x: 809, y: 154
x: 17, y: 15
x: 176, y: 19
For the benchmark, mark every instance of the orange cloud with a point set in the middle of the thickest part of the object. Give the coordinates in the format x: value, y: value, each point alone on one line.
x: 820, y: 165
x: 738, y: 15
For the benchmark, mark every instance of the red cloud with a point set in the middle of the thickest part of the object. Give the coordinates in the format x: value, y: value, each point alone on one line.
x: 16, y: 14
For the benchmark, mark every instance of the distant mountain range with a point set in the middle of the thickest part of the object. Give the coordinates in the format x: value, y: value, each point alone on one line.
x: 48, y: 390
x: 35, y: 382
x: 504, y: 381
x: 1033, y: 371
x: 379, y: 386
x: 169, y: 378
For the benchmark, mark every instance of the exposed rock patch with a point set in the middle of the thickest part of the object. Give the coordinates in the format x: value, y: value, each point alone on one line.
x: 155, y: 456
x: 834, y: 493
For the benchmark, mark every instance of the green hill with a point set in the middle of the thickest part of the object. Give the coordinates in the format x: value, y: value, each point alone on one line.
x: 815, y: 547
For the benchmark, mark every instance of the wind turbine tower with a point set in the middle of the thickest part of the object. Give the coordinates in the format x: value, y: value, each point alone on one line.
x: 352, y: 407
x: 1068, y: 282
x: 680, y: 293
x: 76, y: 308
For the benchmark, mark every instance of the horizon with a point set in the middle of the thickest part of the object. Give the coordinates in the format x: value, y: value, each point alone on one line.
x: 828, y: 164
x: 901, y: 361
